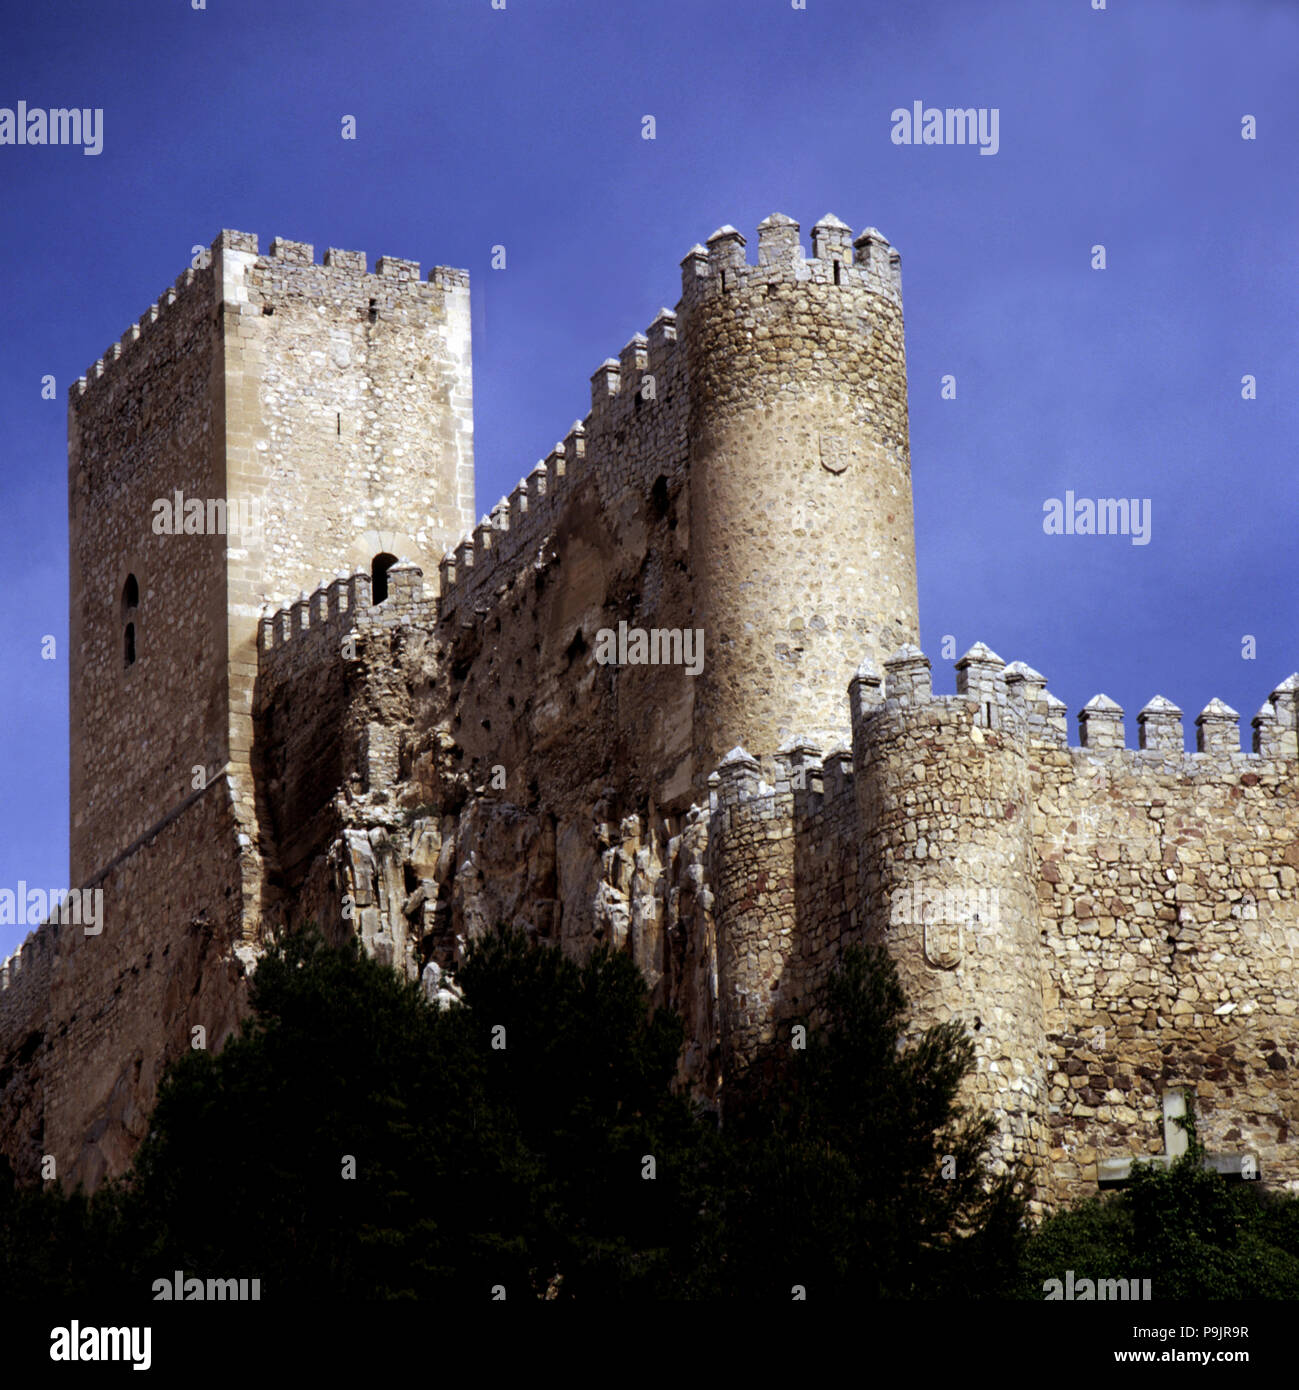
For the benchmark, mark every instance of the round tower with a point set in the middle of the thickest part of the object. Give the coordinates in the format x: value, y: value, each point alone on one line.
x: 801, y: 540
x: 948, y: 872
x: 751, y: 857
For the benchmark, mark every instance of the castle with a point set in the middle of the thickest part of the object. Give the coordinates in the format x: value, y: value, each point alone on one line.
x: 441, y: 736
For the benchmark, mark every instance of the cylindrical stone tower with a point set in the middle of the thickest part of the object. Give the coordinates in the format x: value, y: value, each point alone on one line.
x: 948, y: 872
x: 752, y: 869
x: 801, y: 539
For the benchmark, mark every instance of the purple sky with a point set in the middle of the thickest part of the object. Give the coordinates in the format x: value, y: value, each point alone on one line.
x: 523, y: 127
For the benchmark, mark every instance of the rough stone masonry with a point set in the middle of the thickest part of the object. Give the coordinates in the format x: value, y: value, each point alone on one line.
x: 424, y: 746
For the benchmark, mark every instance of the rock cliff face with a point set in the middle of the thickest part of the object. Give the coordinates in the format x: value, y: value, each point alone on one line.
x: 419, y: 755
x: 419, y: 890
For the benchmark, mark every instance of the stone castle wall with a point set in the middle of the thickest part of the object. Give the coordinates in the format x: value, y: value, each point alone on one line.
x: 330, y: 409
x: 597, y: 534
x: 144, y: 423
x: 98, y: 1017
x: 1170, y: 915
x: 25, y: 1017
x: 348, y: 428
x: 966, y: 835
x: 350, y: 410
x: 1107, y: 922
x: 948, y: 871
x: 735, y: 902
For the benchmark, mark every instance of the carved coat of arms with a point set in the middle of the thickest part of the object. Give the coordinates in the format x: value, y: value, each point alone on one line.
x: 942, y: 943
x: 837, y: 452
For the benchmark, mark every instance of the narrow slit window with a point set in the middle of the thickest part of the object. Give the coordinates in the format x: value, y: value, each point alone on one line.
x: 130, y: 604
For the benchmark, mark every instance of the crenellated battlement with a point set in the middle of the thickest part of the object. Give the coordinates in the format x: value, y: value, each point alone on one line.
x: 521, y: 521
x: 636, y: 378
x: 1039, y: 892
x: 396, y: 271
x: 158, y: 317
x: 392, y: 275
x: 312, y: 627
x: 721, y: 267
x: 330, y: 605
x: 31, y: 959
x: 648, y: 375
x: 1015, y: 697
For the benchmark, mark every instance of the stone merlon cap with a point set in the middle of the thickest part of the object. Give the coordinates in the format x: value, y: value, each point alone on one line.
x: 1102, y: 704
x: 726, y: 233
x: 872, y: 234
x: 1159, y: 705
x: 1021, y: 670
x: 1216, y: 709
x: 1054, y: 701
x: 980, y: 652
x: 868, y: 673
x: 1288, y: 686
x: 775, y: 219
x: 345, y: 260
x: 906, y: 653
x: 738, y: 763
x: 295, y: 252
x: 230, y: 240
x: 831, y: 221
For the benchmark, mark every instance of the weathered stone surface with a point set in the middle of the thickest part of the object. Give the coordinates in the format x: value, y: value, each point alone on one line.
x: 1109, y: 923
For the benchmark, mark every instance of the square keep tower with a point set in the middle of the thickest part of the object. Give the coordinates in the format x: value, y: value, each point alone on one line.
x: 268, y: 423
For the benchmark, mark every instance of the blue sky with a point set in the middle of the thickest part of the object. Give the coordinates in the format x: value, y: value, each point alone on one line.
x: 522, y: 127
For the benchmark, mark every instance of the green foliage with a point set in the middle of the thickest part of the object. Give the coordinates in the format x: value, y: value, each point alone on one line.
x: 586, y: 1076
x: 523, y: 1166
x: 56, y: 1245
x: 839, y: 1170
x: 1190, y: 1231
x: 474, y: 1166
x: 243, y: 1173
